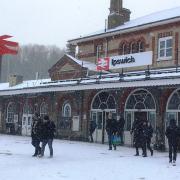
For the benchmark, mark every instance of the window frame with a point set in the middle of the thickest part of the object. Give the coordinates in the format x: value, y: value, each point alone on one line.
x: 165, y: 57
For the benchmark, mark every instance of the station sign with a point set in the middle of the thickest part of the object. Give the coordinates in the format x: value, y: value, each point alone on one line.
x: 125, y: 61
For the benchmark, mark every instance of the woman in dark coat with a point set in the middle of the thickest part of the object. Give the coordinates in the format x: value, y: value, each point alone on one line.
x: 36, y: 133
x: 137, y: 129
x: 48, y: 130
x: 172, y: 133
x: 111, y: 129
x: 149, y: 135
x: 120, y: 128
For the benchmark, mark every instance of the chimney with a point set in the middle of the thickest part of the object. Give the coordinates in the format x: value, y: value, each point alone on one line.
x: 15, y: 80
x: 71, y: 49
x: 118, y: 15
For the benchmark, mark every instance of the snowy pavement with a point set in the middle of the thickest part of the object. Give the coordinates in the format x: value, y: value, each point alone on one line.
x: 80, y: 161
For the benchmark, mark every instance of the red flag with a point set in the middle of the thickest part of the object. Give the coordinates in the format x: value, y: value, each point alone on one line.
x: 8, y: 47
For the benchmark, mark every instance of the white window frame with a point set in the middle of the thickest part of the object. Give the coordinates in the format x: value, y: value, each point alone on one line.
x: 10, y: 112
x: 165, y: 48
x: 66, y: 105
x: 43, y: 109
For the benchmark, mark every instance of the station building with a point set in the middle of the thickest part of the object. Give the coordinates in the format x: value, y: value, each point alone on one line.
x: 130, y: 68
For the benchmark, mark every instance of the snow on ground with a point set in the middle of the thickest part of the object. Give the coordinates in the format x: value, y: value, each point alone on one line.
x: 80, y: 161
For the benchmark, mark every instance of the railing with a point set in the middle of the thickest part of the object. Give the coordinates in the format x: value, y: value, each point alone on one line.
x: 120, y: 77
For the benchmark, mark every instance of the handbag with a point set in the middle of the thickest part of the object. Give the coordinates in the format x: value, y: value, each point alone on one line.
x: 116, y: 140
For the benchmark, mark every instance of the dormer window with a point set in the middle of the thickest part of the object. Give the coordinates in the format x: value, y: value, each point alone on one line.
x: 165, y: 48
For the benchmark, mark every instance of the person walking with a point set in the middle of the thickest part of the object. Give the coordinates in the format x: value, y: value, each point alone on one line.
x: 120, y: 129
x: 48, y: 130
x: 92, y: 128
x: 172, y: 133
x: 148, y: 133
x: 137, y: 130
x: 111, y: 129
x: 36, y: 134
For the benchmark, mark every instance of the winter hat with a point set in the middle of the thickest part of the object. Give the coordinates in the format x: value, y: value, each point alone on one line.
x: 46, y: 117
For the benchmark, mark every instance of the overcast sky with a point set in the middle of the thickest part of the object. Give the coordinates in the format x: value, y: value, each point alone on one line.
x: 53, y: 22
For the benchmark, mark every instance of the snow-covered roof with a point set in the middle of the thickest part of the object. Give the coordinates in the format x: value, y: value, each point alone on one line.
x: 169, y: 15
x: 86, y: 64
x: 165, y: 77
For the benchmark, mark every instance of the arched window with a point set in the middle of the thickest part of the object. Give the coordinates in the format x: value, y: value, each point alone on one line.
x: 140, y: 100
x: 43, y: 109
x: 124, y: 49
x: 27, y: 109
x: 10, y: 112
x: 173, y: 107
x: 66, y: 110
x: 133, y: 48
x: 141, y: 46
x: 66, y: 119
x: 140, y: 103
x: 104, y: 100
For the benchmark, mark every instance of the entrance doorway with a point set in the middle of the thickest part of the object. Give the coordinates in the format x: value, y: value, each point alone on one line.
x: 142, y: 116
x: 103, y: 103
x: 100, y: 117
x: 26, y: 124
x: 27, y: 120
x: 139, y: 105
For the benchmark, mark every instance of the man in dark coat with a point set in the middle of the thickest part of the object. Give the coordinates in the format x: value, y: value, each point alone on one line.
x: 137, y: 129
x: 148, y: 133
x: 172, y: 133
x: 48, y: 130
x: 120, y: 128
x: 111, y: 129
x: 92, y: 128
x: 36, y: 133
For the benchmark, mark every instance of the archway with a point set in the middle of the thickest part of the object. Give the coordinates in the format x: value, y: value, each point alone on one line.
x: 103, y: 103
x: 140, y: 104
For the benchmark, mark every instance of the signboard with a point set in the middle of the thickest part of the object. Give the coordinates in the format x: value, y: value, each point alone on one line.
x: 124, y: 61
x: 75, y: 125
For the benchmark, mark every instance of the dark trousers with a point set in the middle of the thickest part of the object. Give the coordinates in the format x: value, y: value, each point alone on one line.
x: 148, y: 143
x: 172, y: 151
x: 36, y: 144
x: 91, y: 137
x: 49, y: 142
x: 110, y: 139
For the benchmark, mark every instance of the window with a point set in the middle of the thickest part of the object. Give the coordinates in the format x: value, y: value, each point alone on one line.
x: 104, y: 100
x: 65, y: 121
x: 165, y: 48
x: 67, y: 110
x: 133, y: 48
x: 10, y: 113
x: 140, y: 46
x: 43, y: 109
x: 99, y: 51
x: 125, y: 49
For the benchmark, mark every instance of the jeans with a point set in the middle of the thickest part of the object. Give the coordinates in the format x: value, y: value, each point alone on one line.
x: 36, y: 144
x: 110, y: 139
x: 172, y: 151
x: 49, y: 142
